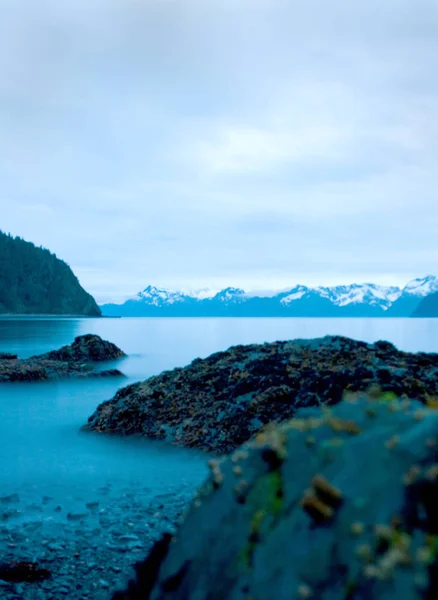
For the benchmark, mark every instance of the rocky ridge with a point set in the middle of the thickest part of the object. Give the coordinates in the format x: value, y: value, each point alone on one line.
x: 74, y: 360
x: 219, y: 402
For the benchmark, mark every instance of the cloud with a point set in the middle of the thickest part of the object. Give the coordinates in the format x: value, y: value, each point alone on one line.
x: 254, y: 143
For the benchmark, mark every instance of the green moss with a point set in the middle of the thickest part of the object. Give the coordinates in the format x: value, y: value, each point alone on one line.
x: 267, y: 494
x: 351, y: 589
x: 265, y: 501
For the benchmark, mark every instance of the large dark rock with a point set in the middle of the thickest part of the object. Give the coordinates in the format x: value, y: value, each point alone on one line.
x: 220, y: 402
x: 337, y: 503
x: 75, y: 360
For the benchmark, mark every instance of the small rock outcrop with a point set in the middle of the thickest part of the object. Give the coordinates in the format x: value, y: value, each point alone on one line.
x: 75, y: 360
x: 85, y: 348
x: 220, y: 402
x: 337, y: 503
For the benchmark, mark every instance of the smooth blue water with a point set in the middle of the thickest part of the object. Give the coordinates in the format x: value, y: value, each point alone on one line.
x: 42, y: 450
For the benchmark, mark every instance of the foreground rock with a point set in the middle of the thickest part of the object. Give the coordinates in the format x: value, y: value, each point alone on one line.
x: 339, y: 503
x: 75, y: 360
x: 220, y: 402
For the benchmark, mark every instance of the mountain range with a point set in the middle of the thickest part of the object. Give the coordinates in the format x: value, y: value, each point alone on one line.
x: 355, y: 300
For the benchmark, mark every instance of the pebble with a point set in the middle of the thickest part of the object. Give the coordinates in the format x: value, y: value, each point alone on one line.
x: 129, y: 538
x: 11, y: 499
x: 55, y: 547
x: 73, y: 516
x: 63, y: 590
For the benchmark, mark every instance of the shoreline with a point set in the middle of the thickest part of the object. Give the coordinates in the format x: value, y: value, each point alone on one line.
x: 51, y: 316
x: 90, y: 549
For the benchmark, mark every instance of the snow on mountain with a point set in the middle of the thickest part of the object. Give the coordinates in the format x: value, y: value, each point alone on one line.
x: 366, y: 293
x: 343, y: 295
x: 157, y: 297
x: 422, y: 286
x: 295, y: 293
x: 230, y: 295
x: 201, y: 294
x: 366, y: 298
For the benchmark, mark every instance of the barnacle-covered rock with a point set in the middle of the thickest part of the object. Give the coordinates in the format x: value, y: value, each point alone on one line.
x: 220, y: 402
x: 75, y: 360
x: 356, y: 520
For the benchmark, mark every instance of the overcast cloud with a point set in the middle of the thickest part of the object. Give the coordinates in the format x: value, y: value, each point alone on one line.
x: 196, y: 143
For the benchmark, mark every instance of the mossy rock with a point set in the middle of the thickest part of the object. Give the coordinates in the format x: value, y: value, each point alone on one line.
x: 338, y: 503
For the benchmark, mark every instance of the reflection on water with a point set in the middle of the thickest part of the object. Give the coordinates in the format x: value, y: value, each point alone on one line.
x: 27, y: 336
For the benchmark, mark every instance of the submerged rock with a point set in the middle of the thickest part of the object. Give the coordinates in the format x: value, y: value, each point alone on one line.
x: 18, y: 572
x: 219, y: 402
x: 336, y: 503
x: 75, y: 360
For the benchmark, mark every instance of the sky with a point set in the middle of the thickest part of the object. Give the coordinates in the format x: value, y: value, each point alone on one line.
x: 207, y: 143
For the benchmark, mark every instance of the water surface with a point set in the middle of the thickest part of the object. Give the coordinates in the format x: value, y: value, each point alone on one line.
x: 42, y: 450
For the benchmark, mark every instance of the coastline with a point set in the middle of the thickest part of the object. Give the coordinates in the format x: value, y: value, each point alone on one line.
x: 51, y: 316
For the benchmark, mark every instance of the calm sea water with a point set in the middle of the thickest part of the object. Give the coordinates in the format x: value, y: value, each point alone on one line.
x: 42, y: 450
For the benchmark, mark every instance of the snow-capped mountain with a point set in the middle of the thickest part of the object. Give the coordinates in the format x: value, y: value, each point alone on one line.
x: 158, y: 297
x: 343, y: 295
x: 361, y: 300
x: 230, y: 295
x: 154, y: 296
x: 367, y: 293
x: 422, y: 286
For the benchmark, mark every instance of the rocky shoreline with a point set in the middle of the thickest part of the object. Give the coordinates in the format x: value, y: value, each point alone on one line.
x: 295, y: 486
x: 75, y: 360
x: 86, y: 553
x: 220, y: 402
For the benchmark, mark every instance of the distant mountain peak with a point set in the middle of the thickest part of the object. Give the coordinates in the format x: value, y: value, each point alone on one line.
x: 230, y: 295
x: 158, y: 296
x: 422, y: 286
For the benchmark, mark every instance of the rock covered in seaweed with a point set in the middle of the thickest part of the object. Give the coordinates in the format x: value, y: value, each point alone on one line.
x: 89, y: 347
x: 75, y: 360
x: 337, y: 503
x: 219, y: 402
